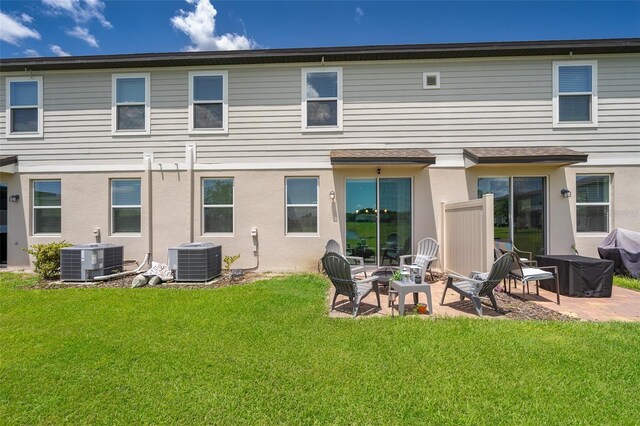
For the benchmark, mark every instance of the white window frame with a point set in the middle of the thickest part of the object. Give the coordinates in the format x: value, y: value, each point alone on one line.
x: 128, y: 206
x: 609, y: 211
x: 224, y: 102
x: 338, y: 99
x: 34, y: 208
x: 8, y: 109
x: 425, y: 75
x: 147, y: 105
x: 594, y: 94
x: 209, y: 206
x: 287, y: 205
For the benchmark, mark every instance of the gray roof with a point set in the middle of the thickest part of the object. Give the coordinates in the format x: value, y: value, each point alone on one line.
x: 5, y: 160
x: 328, y: 54
x: 524, y: 155
x: 382, y: 156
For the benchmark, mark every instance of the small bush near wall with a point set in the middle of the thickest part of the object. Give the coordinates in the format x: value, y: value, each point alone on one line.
x: 47, y: 259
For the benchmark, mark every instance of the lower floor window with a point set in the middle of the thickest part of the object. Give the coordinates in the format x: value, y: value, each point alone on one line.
x: 217, y: 205
x: 125, y: 206
x: 592, y: 203
x: 47, y: 206
x: 302, y: 205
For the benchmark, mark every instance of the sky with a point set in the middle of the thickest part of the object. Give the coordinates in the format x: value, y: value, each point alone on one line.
x: 94, y: 27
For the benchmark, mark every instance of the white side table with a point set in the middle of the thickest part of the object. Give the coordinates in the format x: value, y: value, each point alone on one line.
x: 409, y: 287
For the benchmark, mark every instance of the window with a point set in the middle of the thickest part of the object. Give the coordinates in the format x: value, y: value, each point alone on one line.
x: 125, y: 206
x: 208, y: 108
x: 592, y: 203
x: 130, y: 106
x: 47, y: 206
x: 217, y: 205
x: 322, y: 99
x: 302, y: 205
x: 24, y: 107
x: 430, y: 80
x: 575, y: 94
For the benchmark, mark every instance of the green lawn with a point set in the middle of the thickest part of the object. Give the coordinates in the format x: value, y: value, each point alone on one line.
x: 627, y: 282
x: 267, y: 353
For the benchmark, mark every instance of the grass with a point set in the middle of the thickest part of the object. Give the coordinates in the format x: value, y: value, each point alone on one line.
x: 267, y: 353
x: 627, y: 282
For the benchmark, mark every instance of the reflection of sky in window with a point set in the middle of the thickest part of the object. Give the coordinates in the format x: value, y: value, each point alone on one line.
x: 395, y: 194
x: 302, y: 191
x: 130, y: 90
x: 24, y: 93
x: 126, y: 192
x: 499, y: 187
x: 322, y: 85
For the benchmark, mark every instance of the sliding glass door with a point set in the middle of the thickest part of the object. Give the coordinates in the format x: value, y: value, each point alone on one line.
x: 519, y: 210
x: 379, y: 219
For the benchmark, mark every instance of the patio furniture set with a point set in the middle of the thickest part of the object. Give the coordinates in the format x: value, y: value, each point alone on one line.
x: 511, y: 265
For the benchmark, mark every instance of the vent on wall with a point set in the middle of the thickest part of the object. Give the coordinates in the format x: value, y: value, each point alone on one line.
x: 195, y: 261
x: 86, y: 261
x: 430, y: 80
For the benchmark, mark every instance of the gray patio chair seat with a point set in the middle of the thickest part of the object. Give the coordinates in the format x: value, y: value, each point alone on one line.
x: 480, y: 286
x: 338, y: 270
x: 356, y: 263
x: 426, y: 254
x: 526, y: 274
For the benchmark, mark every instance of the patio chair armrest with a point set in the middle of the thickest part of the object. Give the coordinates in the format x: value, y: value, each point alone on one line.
x: 463, y: 278
x: 520, y: 252
x: 367, y: 280
x: 404, y: 258
x: 355, y: 259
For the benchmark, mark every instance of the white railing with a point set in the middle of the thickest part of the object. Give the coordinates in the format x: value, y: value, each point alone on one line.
x: 467, y: 235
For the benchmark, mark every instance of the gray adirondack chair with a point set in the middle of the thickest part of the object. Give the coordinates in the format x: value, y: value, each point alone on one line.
x: 425, y: 255
x: 482, y: 285
x: 338, y: 270
x: 356, y: 263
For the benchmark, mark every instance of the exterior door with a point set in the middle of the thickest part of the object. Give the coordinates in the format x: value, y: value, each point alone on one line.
x: 519, y: 210
x: 379, y: 219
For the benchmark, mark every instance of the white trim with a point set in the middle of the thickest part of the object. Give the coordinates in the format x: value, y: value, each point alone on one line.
x: 147, y: 105
x: 8, y: 108
x: 34, y: 208
x: 599, y: 203
x: 338, y: 99
x: 224, y: 101
x: 287, y: 205
x: 128, y: 206
x: 204, y: 206
x: 435, y: 74
x: 594, y: 95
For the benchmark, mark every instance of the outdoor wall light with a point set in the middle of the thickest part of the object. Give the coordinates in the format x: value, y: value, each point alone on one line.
x: 565, y: 193
x: 332, y: 195
x: 14, y: 198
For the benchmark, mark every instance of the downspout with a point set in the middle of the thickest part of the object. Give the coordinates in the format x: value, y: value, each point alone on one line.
x: 190, y: 156
x: 148, y: 174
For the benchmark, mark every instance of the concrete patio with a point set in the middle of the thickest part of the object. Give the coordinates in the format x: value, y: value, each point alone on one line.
x: 623, y: 305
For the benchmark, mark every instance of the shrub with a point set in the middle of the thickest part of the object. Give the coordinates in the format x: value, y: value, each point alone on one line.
x: 228, y: 261
x: 47, y: 258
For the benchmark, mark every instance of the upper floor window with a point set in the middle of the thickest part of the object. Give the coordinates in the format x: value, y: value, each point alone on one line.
x: 575, y: 93
x: 24, y: 107
x: 208, y: 107
x: 125, y: 206
x: 47, y: 207
x: 130, y: 106
x: 592, y: 203
x: 322, y: 99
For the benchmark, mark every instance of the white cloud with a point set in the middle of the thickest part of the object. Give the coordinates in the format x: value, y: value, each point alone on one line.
x: 83, y: 34
x: 359, y: 14
x: 12, y: 31
x: 31, y: 53
x: 200, y: 24
x: 81, y: 11
x: 26, y: 18
x: 57, y: 50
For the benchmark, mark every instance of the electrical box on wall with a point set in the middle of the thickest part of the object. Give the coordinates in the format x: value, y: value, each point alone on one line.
x: 254, y: 232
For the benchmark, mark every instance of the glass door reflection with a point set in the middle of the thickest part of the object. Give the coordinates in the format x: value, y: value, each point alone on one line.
x: 362, y: 219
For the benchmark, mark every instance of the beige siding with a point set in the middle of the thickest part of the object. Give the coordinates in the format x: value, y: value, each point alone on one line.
x: 491, y: 102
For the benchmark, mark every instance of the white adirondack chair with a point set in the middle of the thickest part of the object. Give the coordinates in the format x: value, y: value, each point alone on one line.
x: 425, y: 255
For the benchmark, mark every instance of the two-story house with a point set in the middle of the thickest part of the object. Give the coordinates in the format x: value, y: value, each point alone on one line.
x: 298, y: 146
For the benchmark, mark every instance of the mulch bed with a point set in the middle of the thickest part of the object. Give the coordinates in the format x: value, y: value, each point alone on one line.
x: 515, y: 308
x: 125, y: 282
